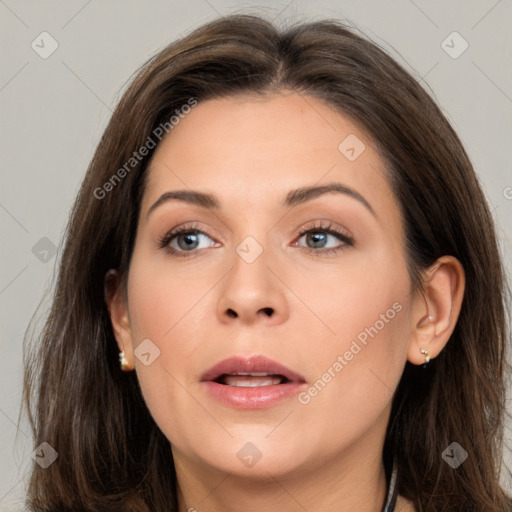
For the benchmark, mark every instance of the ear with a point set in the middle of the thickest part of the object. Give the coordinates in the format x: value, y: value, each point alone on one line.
x: 117, y: 304
x: 436, y: 308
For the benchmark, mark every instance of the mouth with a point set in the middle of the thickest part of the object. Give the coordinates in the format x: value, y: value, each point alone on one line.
x: 251, y: 379
x: 250, y: 372
x: 252, y: 382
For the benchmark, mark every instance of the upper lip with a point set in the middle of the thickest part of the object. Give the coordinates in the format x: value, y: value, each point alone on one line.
x: 250, y: 364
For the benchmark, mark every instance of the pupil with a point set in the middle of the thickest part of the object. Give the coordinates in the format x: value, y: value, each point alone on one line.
x: 317, y: 238
x: 189, y: 241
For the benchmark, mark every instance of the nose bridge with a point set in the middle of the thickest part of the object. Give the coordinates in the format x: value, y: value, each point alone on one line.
x: 250, y: 273
x: 250, y: 290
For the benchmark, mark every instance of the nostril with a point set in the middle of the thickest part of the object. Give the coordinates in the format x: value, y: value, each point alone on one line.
x: 268, y: 311
x: 232, y: 313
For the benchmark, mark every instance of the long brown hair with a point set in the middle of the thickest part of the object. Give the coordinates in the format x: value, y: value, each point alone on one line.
x: 112, y: 456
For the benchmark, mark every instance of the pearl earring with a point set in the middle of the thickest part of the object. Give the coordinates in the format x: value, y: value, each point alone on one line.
x: 123, y: 362
x: 424, y: 351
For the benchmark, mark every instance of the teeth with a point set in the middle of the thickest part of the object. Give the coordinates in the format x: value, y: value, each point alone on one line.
x: 251, y: 380
x: 252, y: 374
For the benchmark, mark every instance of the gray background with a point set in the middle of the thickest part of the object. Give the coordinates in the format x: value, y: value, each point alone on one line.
x: 54, y: 110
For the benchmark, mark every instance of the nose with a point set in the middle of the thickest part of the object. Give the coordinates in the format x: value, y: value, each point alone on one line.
x: 252, y: 293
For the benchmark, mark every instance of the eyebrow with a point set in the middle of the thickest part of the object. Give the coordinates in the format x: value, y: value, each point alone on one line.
x: 293, y: 198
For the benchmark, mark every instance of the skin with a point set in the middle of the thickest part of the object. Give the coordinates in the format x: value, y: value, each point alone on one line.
x: 325, y: 455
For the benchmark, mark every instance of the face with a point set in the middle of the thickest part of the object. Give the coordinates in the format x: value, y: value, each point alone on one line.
x: 315, y: 280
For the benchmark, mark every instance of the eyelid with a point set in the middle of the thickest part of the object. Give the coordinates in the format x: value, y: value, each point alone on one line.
x: 328, y: 227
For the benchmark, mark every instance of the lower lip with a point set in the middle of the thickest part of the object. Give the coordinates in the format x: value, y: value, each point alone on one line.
x: 252, y: 398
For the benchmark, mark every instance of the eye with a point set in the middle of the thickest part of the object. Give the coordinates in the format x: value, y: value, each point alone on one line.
x: 324, y: 239
x: 320, y: 239
x: 185, y: 239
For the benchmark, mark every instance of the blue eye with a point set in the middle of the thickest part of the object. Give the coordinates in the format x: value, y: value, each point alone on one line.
x: 185, y: 239
x: 188, y: 240
x: 322, y: 239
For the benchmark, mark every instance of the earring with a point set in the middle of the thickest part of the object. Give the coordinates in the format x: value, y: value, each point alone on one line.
x: 123, y: 362
x: 427, y: 357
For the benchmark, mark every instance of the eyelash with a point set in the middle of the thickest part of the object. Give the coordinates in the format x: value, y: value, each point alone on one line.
x: 164, y: 241
x: 331, y: 230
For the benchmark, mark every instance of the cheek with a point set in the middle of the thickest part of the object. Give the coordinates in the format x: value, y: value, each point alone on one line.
x: 168, y: 309
x: 367, y: 292
x: 371, y: 306
x: 365, y: 317
x: 166, y: 303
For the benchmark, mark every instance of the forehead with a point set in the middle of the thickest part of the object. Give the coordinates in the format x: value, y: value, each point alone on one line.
x: 249, y: 149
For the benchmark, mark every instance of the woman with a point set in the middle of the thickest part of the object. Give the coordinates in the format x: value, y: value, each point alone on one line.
x: 280, y: 290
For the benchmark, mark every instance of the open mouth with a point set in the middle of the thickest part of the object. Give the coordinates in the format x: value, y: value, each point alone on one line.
x: 251, y: 382
x: 251, y: 379
x: 251, y: 372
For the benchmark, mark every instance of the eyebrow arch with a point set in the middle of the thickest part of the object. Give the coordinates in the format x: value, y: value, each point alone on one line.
x: 293, y: 198
x: 201, y: 199
x: 303, y: 194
